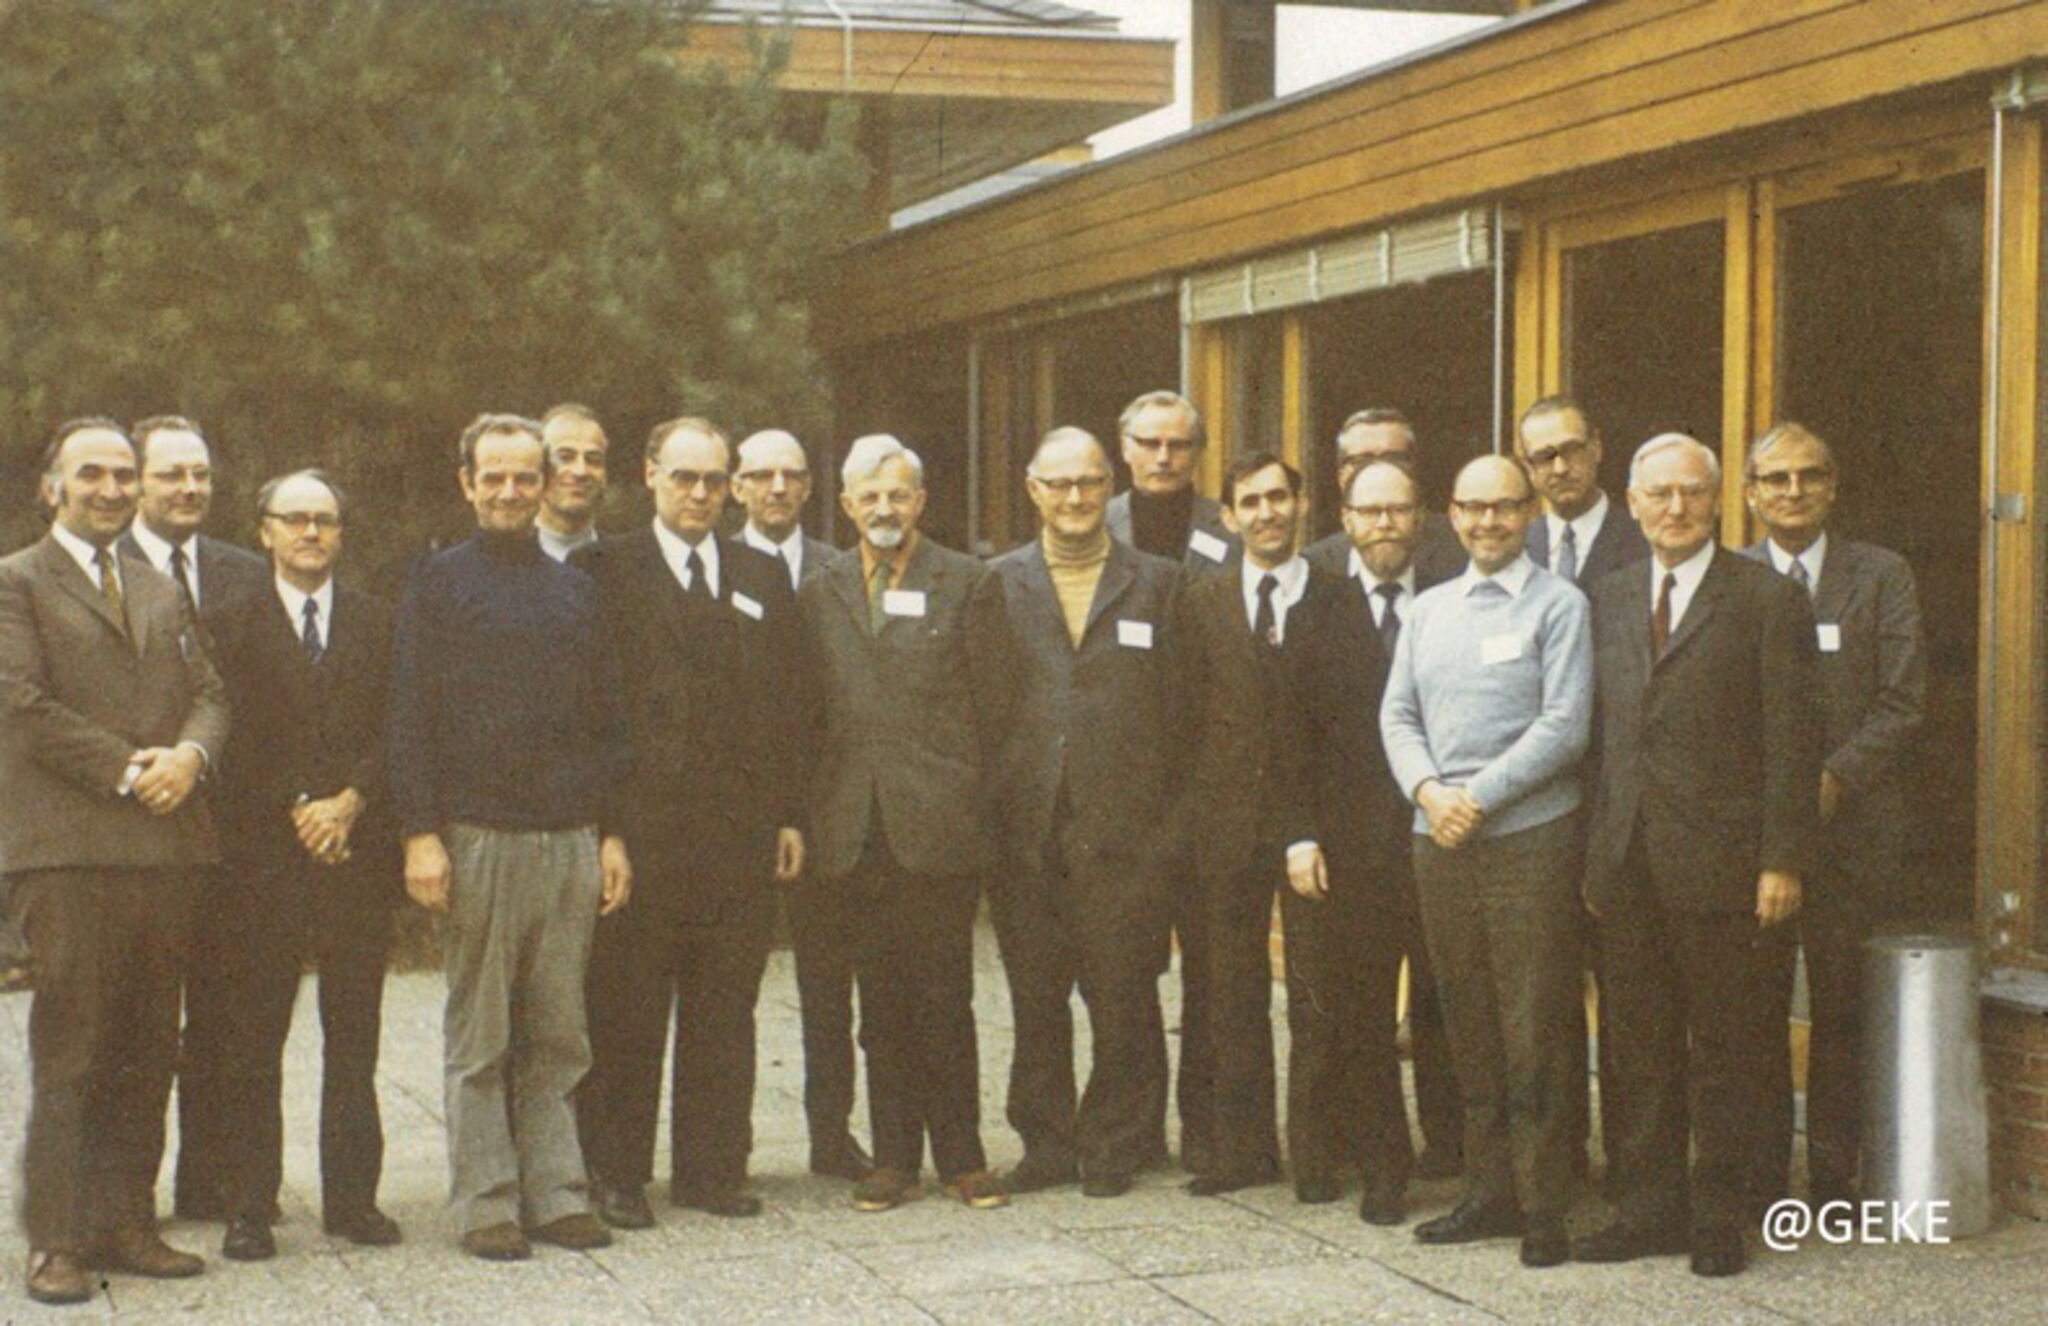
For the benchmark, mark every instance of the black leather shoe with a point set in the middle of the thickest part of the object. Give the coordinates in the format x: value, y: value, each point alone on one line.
x: 1384, y: 1203
x: 1544, y: 1244
x: 366, y: 1227
x: 843, y: 1159
x: 1718, y: 1252
x: 248, y: 1240
x: 730, y: 1203
x: 1112, y: 1184
x: 1626, y: 1241
x: 1316, y: 1189
x: 622, y: 1208
x: 1469, y: 1222
x: 1036, y: 1174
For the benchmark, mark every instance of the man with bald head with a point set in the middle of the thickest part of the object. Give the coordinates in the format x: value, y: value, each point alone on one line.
x: 1486, y: 721
x: 1367, y: 437
x: 773, y: 483
x: 577, y: 449
x: 1085, y: 785
x: 1704, y: 827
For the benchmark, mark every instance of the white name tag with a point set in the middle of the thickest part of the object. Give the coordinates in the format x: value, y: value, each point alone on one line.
x: 1137, y: 635
x: 1499, y: 649
x: 746, y: 605
x: 1830, y: 635
x: 903, y: 603
x: 1208, y: 545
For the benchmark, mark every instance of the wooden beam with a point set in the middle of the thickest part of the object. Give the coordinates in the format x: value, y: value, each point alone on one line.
x: 1294, y: 388
x: 1737, y: 315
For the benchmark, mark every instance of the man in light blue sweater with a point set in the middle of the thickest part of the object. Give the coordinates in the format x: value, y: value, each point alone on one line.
x: 1485, y: 720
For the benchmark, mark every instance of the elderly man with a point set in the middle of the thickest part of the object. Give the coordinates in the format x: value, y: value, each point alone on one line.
x: 109, y: 713
x: 1702, y: 832
x: 899, y: 815
x: 1873, y: 684
x: 1576, y: 538
x: 506, y: 749
x: 1366, y: 437
x: 1249, y: 815
x: 1486, y: 720
x: 773, y: 484
x: 703, y: 633
x: 1086, y: 789
x: 1346, y: 942
x: 576, y: 455
x: 312, y: 865
x: 1161, y: 436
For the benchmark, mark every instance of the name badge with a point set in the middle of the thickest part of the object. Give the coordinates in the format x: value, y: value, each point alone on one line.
x: 1136, y: 635
x: 1499, y: 649
x: 1830, y: 636
x: 1205, y: 544
x: 746, y: 605
x: 903, y: 603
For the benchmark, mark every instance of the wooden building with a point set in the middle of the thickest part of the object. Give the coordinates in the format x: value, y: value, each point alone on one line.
x: 1694, y: 214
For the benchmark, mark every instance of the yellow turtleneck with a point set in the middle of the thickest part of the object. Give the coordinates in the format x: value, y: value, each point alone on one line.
x: 1074, y: 576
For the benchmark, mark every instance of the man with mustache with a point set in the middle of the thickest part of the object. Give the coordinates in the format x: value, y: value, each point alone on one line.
x: 1381, y: 433
x: 576, y: 456
x: 904, y: 649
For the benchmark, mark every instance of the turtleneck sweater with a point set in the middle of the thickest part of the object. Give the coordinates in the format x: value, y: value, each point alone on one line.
x: 1074, y: 576
x: 1160, y: 525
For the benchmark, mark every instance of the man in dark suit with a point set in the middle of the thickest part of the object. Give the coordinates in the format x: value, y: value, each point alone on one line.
x: 1873, y: 685
x: 1345, y: 946
x: 1085, y: 794
x: 1160, y: 513
x: 109, y: 714
x: 703, y: 629
x: 217, y: 580
x: 773, y: 484
x: 899, y: 815
x: 1561, y: 447
x: 1250, y: 820
x: 1703, y: 828
x: 312, y: 866
x: 1384, y: 434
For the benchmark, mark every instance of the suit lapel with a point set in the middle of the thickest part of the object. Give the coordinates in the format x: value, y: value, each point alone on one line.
x: 1047, y: 618
x: 72, y: 579
x: 1118, y: 574
x: 1701, y: 609
x: 920, y: 575
x: 1838, y: 583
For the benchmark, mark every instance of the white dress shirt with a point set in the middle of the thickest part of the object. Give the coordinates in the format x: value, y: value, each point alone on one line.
x: 85, y: 554
x: 1292, y: 578
x: 294, y: 600
x: 1585, y: 528
x: 1689, y: 573
x: 1370, y: 584
x: 1812, y: 559
x: 158, y: 551
x: 559, y: 546
x: 790, y: 550
x: 675, y: 550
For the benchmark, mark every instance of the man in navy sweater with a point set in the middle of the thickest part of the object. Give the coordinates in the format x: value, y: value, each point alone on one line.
x: 506, y: 748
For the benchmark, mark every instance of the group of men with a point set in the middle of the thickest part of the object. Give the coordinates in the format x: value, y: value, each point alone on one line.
x: 1496, y: 749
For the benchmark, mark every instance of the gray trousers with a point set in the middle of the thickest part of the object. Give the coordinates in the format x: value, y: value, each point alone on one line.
x: 522, y: 906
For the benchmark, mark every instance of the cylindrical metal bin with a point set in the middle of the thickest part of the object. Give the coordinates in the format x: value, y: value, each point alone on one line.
x: 1925, y: 1135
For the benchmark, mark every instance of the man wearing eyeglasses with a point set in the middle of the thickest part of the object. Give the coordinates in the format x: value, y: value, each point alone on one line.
x: 1085, y: 792
x: 1486, y: 720
x: 1873, y: 684
x: 1161, y: 514
x: 576, y: 458
x: 312, y: 866
x: 1384, y: 434
x: 1575, y: 538
x: 1704, y: 829
x: 702, y: 629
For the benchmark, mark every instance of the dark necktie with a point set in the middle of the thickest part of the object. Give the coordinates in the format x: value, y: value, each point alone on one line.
x: 1800, y: 578
x: 181, y: 572
x: 699, y: 586
x: 110, y: 584
x: 878, y: 593
x: 1660, y: 620
x: 309, y: 631
x: 1390, y: 620
x: 1567, y: 558
x: 1264, y: 623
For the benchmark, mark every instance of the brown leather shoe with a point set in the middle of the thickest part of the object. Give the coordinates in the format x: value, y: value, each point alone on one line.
x: 55, y: 1276
x: 138, y: 1251
x: 884, y: 1190
x: 502, y: 1242
x: 580, y: 1231
x: 979, y: 1189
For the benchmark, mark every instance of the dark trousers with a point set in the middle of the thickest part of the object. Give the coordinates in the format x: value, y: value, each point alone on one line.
x: 914, y: 960
x: 206, y: 1138
x: 1194, y: 1077
x: 1693, y: 1035
x: 341, y: 918
x: 103, y: 1035
x: 1233, y: 967
x: 1097, y: 925
x: 1344, y: 1098
x: 706, y: 965
x: 1504, y: 924
x: 1831, y: 927
x: 823, y: 947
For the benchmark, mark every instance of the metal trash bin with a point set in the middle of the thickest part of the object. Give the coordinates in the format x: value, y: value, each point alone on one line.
x: 1925, y: 1131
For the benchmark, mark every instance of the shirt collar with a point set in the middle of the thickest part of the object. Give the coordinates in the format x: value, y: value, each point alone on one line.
x: 158, y: 549
x: 559, y: 546
x: 676, y: 551
x: 1815, y: 556
x: 1511, y: 577
x: 899, y: 560
x: 1369, y: 582
x: 294, y: 600
x: 82, y: 552
x: 1290, y: 573
x: 1586, y: 526
x: 793, y: 546
x: 1689, y: 572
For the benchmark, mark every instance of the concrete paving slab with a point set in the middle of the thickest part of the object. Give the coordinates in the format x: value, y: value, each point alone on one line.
x: 1326, y: 1292
x: 925, y: 1271
x: 1121, y: 1303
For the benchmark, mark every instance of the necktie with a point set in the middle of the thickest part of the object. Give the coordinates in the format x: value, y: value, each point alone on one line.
x: 180, y: 572
x: 1660, y: 620
x: 878, y: 589
x: 1390, y: 620
x: 309, y: 631
x: 1263, y: 622
x: 1567, y: 559
x: 1799, y: 576
x: 700, y: 587
x: 110, y: 585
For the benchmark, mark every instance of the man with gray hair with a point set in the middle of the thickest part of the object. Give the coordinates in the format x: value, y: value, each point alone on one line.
x: 576, y: 472
x: 1703, y: 827
x: 899, y: 826
x: 1161, y: 514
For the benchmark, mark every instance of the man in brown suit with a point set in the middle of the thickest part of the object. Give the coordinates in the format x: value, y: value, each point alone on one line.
x: 109, y: 712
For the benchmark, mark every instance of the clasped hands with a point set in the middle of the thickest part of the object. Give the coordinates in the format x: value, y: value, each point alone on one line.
x: 165, y: 776
x: 324, y: 825
x: 1452, y: 813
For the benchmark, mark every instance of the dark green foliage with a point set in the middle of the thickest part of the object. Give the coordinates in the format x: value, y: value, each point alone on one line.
x: 334, y: 230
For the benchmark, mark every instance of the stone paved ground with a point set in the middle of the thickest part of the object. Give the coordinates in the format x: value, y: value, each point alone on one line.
x: 1156, y: 1255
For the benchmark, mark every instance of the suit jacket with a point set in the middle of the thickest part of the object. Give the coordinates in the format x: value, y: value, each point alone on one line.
x: 1098, y: 724
x: 906, y: 721
x: 818, y: 555
x: 1712, y: 752
x: 1873, y: 688
x: 306, y: 730
x: 1438, y: 554
x: 1621, y: 543
x: 230, y: 578
x: 79, y: 694
x: 713, y: 695
x: 1249, y: 776
x: 1206, y: 518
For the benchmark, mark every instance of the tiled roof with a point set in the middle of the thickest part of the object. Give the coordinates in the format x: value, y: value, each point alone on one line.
x: 949, y: 14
